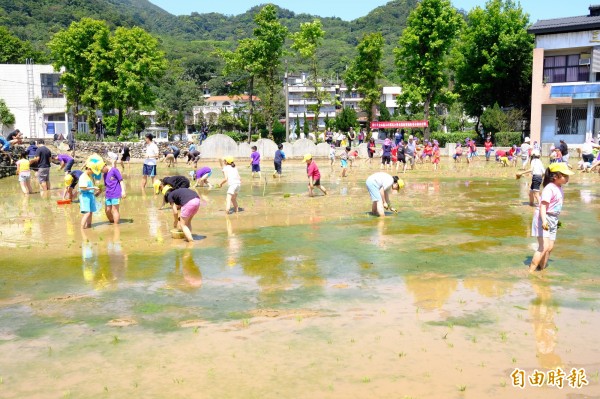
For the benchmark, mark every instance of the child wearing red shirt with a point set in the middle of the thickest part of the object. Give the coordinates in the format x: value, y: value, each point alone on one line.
x: 314, y: 176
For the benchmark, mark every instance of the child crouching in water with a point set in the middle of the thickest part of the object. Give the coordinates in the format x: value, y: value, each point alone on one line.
x: 201, y: 176
x: 545, y: 218
x: 537, y: 174
x: 185, y: 203
x: 234, y: 182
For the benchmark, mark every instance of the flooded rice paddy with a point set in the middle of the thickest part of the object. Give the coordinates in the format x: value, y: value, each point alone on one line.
x: 299, y: 297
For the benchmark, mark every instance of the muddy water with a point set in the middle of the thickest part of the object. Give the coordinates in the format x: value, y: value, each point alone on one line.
x: 297, y: 296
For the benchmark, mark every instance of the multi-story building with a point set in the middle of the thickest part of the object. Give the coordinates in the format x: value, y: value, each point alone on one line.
x: 565, y: 90
x: 301, y: 95
x: 388, y: 96
x: 33, y: 95
x: 214, y: 105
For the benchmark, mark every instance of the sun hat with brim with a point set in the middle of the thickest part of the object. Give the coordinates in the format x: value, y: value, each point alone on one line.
x: 228, y: 159
x: 387, y: 142
x: 560, y: 167
x: 95, y: 163
x: 68, y: 180
x: 527, y: 139
x: 307, y: 157
x: 156, y: 186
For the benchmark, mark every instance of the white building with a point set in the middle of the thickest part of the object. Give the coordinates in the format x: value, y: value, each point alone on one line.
x: 214, y: 105
x: 388, y: 96
x: 565, y: 93
x: 301, y: 96
x: 32, y: 93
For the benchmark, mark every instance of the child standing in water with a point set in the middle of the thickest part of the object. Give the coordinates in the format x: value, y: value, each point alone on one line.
x: 314, y: 176
x: 545, y: 218
x: 537, y: 174
x: 255, y: 162
x: 344, y: 161
x: 436, y: 155
x: 279, y: 158
x: 234, y: 182
x: 331, y: 156
x: 88, y: 192
x: 24, y: 173
x: 115, y: 190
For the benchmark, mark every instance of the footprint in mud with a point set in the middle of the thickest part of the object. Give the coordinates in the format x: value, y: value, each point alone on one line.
x: 192, y: 323
x: 121, y: 323
x: 69, y: 297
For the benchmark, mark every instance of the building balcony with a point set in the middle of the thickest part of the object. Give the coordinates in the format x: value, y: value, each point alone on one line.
x: 297, y: 102
x: 300, y: 89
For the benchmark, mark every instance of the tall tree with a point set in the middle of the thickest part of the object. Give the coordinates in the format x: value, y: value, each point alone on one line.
x: 75, y: 49
x: 366, y: 71
x: 244, y: 59
x: 306, y: 43
x: 492, y: 61
x: 270, y: 36
x: 422, y: 55
x: 124, y: 74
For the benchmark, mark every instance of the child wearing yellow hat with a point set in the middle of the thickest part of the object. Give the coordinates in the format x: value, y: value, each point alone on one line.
x: 71, y: 181
x: 234, y: 183
x: 314, y: 176
x: 88, y: 191
x: 545, y: 218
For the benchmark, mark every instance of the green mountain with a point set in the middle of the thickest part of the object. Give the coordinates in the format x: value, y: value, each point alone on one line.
x: 37, y: 20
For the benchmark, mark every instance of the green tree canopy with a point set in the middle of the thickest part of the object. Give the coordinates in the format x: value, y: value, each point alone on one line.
x: 422, y: 55
x: 346, y: 119
x: 6, y: 117
x: 366, y: 71
x: 492, y: 60
x: 14, y: 50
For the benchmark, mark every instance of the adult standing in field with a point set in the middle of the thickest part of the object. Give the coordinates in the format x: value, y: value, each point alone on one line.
x: 397, y: 137
x: 351, y: 137
x: 71, y: 139
x: 380, y: 185
x: 525, y: 151
x: 149, y: 168
x: 42, y: 160
x: 100, y: 129
x: 361, y: 136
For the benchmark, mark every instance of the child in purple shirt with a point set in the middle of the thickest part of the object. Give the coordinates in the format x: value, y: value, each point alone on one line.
x: 201, y: 176
x: 255, y: 162
x: 115, y: 190
x: 66, y: 162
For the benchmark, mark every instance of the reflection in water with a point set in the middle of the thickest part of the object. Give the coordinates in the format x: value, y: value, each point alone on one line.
x: 542, y: 311
x: 234, y: 244
x: 487, y: 286
x: 89, y: 258
x: 103, y: 271
x: 187, y: 275
x: 117, y: 259
x: 430, y: 291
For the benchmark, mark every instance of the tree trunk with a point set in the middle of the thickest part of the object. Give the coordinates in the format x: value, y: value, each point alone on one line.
x: 119, y: 122
x: 251, y: 109
x: 271, y: 106
x: 426, y: 116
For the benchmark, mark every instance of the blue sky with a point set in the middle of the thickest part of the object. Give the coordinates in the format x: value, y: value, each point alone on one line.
x: 351, y: 9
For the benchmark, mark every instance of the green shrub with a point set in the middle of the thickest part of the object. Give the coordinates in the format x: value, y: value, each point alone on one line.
x: 507, y: 139
x: 80, y: 136
x: 455, y: 137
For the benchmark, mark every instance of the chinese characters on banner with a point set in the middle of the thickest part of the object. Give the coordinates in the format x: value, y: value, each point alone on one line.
x: 556, y: 378
x: 399, y: 124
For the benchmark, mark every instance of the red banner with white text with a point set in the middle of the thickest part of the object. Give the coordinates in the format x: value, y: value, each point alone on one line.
x: 398, y: 124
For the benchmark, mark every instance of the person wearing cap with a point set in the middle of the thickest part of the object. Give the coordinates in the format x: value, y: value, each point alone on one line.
x: 149, y: 168
x: 525, y: 151
x: 71, y: 181
x: 234, y: 183
x: 380, y: 185
x: 88, y: 190
x: 314, y: 176
x: 537, y: 175
x: 545, y: 218
x: 174, y: 182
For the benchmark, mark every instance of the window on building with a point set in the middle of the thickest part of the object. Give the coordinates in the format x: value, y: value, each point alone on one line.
x: 571, y: 120
x: 50, y: 86
x: 565, y: 68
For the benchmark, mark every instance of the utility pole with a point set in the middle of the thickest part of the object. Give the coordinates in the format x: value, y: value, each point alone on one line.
x: 287, y: 104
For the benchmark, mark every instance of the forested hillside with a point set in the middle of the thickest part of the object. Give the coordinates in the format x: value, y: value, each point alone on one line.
x: 188, y: 37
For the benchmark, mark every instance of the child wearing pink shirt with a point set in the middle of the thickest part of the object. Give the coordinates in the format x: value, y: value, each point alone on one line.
x: 545, y: 218
x: 314, y: 176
